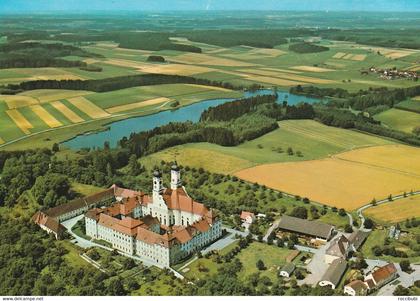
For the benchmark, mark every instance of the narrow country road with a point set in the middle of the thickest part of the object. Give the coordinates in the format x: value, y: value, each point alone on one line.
x: 397, y: 197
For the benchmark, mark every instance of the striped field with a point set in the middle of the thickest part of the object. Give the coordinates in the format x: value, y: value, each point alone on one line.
x: 49, y: 120
x: 88, y: 107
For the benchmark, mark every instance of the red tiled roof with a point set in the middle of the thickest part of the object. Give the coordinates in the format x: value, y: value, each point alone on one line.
x: 384, y: 273
x: 179, y: 200
x: 94, y: 213
x: 151, y: 237
x: 125, y: 193
x: 246, y: 214
x: 41, y: 218
x: 126, y: 225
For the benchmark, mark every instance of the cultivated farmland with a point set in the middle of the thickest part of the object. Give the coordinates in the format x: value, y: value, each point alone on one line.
x: 399, y: 119
x: 348, y: 180
x: 396, y: 211
x: 312, y: 139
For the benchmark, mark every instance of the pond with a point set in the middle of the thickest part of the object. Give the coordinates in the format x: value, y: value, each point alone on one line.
x: 118, y: 129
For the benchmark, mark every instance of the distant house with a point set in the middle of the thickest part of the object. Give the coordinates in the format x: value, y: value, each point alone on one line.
x: 357, y: 238
x: 382, y: 275
x: 287, y: 270
x: 339, y: 248
x: 334, y: 273
x: 247, y: 217
x: 356, y: 288
x: 48, y: 224
x: 318, y: 230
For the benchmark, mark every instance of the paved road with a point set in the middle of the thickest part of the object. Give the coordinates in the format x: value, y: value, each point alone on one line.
x: 397, y: 197
x: 273, y: 227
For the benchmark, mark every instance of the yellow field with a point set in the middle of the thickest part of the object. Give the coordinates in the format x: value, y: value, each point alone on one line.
x: 1, y: 141
x: 137, y: 105
x: 88, y: 107
x: 358, y: 57
x: 272, y: 80
x: 349, y: 180
x: 396, y: 158
x: 174, y: 69
x: 46, y: 116
x: 339, y: 55
x: 70, y: 115
x: 204, y: 59
x: 18, y: 101
x: 282, y: 70
x: 347, y: 56
x: 47, y: 95
x: 306, y: 79
x: 214, y: 88
x: 396, y: 211
x: 267, y: 52
x: 20, y: 121
x: 311, y: 69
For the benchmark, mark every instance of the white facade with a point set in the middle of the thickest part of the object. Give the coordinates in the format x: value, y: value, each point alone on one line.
x: 163, y: 252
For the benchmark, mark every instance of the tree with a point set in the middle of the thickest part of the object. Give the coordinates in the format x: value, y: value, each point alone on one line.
x: 368, y: 223
x: 405, y: 265
x: 373, y: 202
x: 55, y: 148
x: 348, y: 228
x: 300, y: 212
x: 401, y: 291
x: 132, y: 284
x: 116, y: 288
x: 290, y: 151
x: 342, y: 212
x: 93, y: 253
x: 129, y: 263
x: 134, y: 166
x: 260, y: 265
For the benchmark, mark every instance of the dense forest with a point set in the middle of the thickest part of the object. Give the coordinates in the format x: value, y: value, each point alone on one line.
x: 305, y: 47
x: 114, y: 83
x: 360, y: 100
x: 36, y: 55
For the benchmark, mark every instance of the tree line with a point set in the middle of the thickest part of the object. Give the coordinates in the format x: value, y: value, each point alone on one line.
x: 305, y: 47
x: 36, y: 55
x: 114, y: 83
x: 359, y: 100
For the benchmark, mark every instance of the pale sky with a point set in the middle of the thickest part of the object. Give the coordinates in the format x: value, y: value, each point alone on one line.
x: 22, y: 6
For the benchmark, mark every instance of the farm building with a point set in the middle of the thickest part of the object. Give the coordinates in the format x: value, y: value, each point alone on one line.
x: 317, y: 230
x: 357, y: 238
x: 356, y: 288
x: 339, y: 248
x: 247, y: 217
x: 334, y: 273
x: 287, y: 270
x: 381, y: 276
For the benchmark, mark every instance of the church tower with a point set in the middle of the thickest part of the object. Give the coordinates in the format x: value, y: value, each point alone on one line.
x: 157, y: 183
x: 175, y: 177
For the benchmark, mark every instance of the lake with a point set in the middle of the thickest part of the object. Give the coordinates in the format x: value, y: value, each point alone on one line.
x: 118, y: 129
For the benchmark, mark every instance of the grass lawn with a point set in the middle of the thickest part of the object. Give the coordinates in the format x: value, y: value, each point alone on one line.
x: 409, y: 105
x: 73, y: 257
x: 400, y: 120
x: 84, y: 189
x: 272, y: 256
